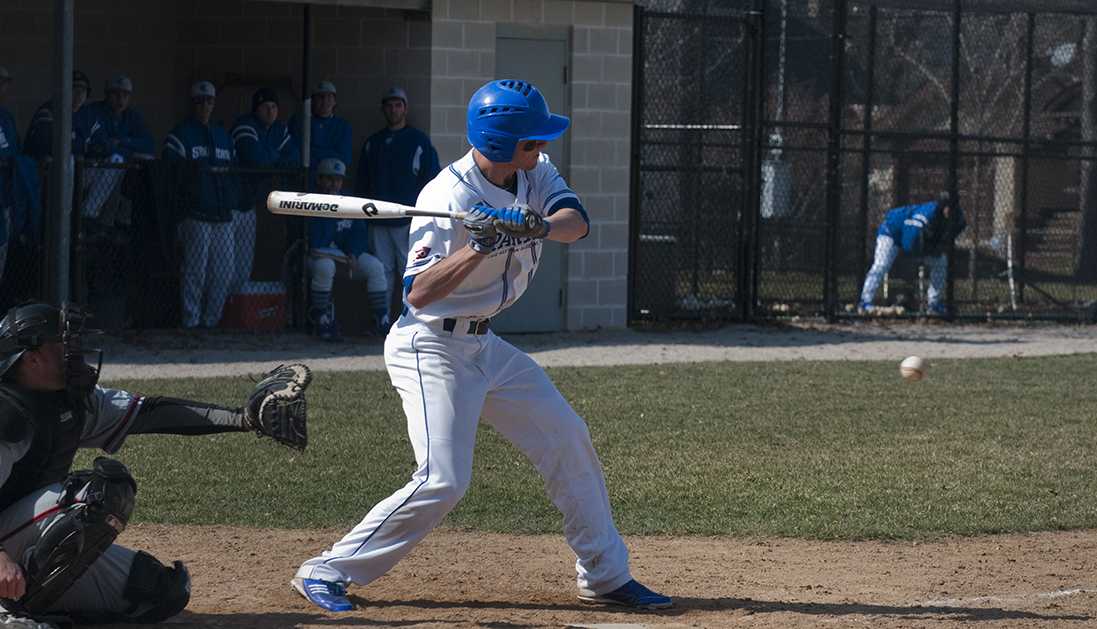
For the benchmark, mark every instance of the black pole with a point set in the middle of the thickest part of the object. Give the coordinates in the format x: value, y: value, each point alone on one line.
x: 1021, y: 223
x: 636, y: 154
x: 297, y: 229
x: 954, y: 147
x: 834, y: 159
x: 59, y: 234
x: 754, y: 113
x: 866, y: 159
x: 306, y: 88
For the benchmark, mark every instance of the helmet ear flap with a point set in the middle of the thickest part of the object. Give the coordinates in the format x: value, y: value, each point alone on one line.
x: 496, y: 147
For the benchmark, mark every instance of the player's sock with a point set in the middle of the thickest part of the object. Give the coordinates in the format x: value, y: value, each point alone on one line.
x: 378, y: 304
x: 319, y: 307
x: 320, y: 299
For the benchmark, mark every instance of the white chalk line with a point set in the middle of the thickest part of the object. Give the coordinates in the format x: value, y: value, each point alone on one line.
x: 1009, y: 599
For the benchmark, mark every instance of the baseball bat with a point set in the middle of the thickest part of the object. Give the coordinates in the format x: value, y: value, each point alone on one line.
x: 338, y: 206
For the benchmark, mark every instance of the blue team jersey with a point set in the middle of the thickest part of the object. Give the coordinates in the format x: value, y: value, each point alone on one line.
x: 205, y: 192
x: 262, y: 147
x: 101, y: 126
x: 348, y: 235
x: 330, y: 137
x: 9, y: 148
x: 921, y: 229
x: 38, y: 143
x: 395, y: 165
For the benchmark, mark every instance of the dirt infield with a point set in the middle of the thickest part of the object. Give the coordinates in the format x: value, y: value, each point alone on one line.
x: 465, y: 579
x: 462, y: 579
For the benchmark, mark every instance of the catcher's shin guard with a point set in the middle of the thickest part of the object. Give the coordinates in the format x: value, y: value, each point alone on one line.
x: 97, y: 505
x: 155, y: 591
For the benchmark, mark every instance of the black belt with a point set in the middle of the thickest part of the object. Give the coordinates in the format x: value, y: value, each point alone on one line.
x: 475, y: 327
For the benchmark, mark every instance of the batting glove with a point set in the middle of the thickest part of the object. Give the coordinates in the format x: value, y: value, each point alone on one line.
x: 480, y: 223
x: 521, y: 222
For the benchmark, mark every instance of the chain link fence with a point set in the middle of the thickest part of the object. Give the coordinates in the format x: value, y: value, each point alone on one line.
x: 21, y: 230
x: 692, y: 165
x: 150, y: 249
x: 865, y: 106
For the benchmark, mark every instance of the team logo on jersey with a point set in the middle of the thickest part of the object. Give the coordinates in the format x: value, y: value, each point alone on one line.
x: 308, y: 205
x: 512, y: 241
x: 422, y: 252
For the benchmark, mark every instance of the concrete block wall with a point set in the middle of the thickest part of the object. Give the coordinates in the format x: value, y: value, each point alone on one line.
x: 463, y: 59
x: 237, y: 44
x: 362, y: 50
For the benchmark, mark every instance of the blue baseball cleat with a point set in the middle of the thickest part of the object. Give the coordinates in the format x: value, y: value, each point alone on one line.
x: 329, y: 595
x: 631, y: 594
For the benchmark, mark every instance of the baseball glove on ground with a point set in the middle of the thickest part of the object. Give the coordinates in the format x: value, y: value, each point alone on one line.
x: 277, y: 408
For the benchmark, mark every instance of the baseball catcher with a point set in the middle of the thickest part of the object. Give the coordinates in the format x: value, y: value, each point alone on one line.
x: 58, y: 526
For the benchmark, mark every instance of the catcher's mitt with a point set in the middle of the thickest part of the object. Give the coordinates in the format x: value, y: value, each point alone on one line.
x: 277, y: 408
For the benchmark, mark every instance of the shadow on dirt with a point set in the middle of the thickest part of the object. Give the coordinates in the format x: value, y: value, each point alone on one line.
x: 954, y: 613
x: 694, y: 610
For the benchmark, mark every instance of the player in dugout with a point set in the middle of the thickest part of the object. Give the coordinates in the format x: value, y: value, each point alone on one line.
x: 58, y: 558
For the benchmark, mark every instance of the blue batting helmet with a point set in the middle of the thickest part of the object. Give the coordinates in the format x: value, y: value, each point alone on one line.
x: 502, y: 113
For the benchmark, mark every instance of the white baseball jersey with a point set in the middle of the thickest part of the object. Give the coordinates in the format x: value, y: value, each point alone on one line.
x: 505, y: 275
x: 452, y: 378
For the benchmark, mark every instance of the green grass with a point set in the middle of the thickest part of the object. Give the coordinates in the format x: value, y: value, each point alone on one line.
x: 817, y: 450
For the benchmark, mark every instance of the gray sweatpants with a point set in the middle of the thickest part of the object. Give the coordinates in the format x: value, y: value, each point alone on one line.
x: 100, y: 589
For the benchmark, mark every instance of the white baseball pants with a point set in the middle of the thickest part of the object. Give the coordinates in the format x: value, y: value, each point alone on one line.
x: 207, y: 270
x: 886, y: 252
x: 99, y: 185
x: 366, y: 267
x: 243, y: 238
x: 390, y: 245
x: 448, y: 381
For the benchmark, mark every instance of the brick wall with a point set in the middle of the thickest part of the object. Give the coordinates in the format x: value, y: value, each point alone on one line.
x: 237, y: 44
x: 463, y: 58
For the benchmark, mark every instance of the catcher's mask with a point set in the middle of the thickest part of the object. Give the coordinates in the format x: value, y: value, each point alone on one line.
x: 29, y: 326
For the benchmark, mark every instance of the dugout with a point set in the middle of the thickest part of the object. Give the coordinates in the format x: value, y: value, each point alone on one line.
x: 439, y: 51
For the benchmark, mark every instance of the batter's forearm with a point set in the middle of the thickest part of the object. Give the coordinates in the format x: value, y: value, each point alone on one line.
x: 568, y: 226
x: 173, y: 416
x: 443, y: 278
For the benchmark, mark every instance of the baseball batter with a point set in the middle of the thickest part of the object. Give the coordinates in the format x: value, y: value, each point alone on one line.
x: 451, y: 370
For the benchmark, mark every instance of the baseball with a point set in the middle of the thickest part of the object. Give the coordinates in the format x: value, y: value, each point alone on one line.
x: 913, y: 368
